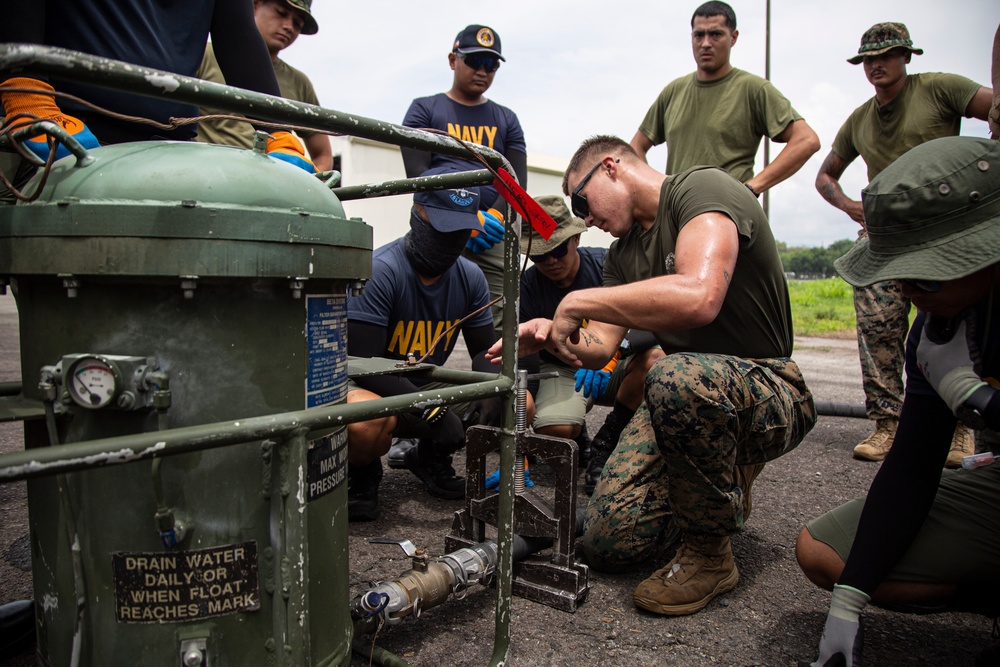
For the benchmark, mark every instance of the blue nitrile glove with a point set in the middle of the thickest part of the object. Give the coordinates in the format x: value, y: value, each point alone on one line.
x: 491, y: 233
x: 45, y: 108
x: 493, y: 481
x: 592, y: 383
x: 286, y: 147
x: 842, y: 637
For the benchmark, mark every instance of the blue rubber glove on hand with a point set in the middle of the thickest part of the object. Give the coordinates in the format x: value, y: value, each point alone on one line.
x: 592, y: 383
x: 491, y: 233
x: 44, y: 107
x: 493, y: 481
x: 286, y: 147
x: 842, y: 637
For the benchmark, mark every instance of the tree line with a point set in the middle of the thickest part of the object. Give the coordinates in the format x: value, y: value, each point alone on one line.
x: 806, y: 263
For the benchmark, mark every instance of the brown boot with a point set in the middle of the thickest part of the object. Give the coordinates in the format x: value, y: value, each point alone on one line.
x: 876, y: 446
x: 962, y: 444
x: 702, y: 569
x: 743, y: 477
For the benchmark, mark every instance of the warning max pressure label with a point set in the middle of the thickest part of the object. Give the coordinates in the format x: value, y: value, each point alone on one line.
x: 186, y: 585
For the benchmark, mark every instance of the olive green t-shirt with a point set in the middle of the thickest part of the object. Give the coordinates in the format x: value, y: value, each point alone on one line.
x: 755, y: 320
x: 929, y: 106
x: 719, y: 123
x: 293, y: 84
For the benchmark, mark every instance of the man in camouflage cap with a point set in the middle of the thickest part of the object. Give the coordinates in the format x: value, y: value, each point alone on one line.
x: 882, y: 38
x: 906, y: 111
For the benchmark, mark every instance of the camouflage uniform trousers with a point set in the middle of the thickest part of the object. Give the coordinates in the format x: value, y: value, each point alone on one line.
x: 673, y: 466
x: 883, y: 315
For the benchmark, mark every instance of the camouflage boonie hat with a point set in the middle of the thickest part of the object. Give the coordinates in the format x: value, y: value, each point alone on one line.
x: 310, y: 27
x: 933, y: 214
x: 567, y: 226
x: 883, y: 37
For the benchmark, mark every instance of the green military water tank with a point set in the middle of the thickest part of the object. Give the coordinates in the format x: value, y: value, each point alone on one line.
x: 166, y: 285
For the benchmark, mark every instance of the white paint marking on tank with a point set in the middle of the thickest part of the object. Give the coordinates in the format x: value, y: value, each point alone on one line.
x: 168, y: 83
x: 50, y: 603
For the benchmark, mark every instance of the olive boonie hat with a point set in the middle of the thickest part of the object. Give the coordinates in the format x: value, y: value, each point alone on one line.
x: 310, y: 27
x: 567, y: 226
x: 883, y: 37
x: 478, y: 38
x: 933, y: 214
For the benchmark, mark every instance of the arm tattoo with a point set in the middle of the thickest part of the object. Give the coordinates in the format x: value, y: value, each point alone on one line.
x: 588, y: 339
x: 725, y: 274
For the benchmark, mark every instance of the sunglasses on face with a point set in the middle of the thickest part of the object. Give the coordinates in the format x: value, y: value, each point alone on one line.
x: 556, y: 253
x: 923, y: 285
x: 578, y: 203
x: 484, y: 61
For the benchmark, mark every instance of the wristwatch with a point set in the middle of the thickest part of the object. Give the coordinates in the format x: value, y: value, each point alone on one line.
x: 752, y: 191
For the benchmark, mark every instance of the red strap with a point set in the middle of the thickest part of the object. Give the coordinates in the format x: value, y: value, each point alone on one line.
x: 522, y: 202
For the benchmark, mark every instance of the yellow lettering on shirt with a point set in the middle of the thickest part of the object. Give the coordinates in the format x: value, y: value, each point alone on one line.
x: 416, y: 337
x: 491, y: 134
x: 400, y: 341
x: 475, y: 135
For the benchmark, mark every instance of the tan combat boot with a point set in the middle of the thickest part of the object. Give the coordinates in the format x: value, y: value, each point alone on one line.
x: 876, y: 446
x: 743, y: 477
x: 962, y: 444
x: 702, y: 569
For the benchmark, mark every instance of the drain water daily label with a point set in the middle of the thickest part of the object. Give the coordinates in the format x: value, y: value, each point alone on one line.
x: 181, y: 586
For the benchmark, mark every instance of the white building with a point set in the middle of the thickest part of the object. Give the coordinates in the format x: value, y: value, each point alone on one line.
x: 364, y: 161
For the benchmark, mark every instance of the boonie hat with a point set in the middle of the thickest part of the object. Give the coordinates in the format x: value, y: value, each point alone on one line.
x: 933, y: 214
x: 567, y: 226
x: 450, y: 210
x: 476, y: 38
x: 310, y: 27
x: 883, y: 37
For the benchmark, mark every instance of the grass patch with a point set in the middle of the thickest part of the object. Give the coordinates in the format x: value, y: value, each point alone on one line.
x: 822, y: 307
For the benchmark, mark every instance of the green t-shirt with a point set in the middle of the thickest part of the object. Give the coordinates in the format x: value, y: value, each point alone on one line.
x: 755, y: 321
x: 293, y: 84
x: 718, y: 123
x: 929, y: 106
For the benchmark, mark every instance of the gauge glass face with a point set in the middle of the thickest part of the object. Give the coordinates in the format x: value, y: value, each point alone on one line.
x: 92, y: 383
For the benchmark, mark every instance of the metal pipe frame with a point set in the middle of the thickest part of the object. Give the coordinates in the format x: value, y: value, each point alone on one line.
x: 56, y: 63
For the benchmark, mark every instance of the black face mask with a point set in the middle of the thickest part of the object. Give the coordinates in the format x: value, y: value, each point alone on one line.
x: 432, y: 252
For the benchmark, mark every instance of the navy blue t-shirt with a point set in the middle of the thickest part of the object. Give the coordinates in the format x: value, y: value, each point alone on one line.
x: 488, y: 124
x: 540, y: 296
x: 413, y: 313
x: 167, y: 35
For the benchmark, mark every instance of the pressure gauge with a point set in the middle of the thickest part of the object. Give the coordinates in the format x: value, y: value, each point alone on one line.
x: 93, y: 381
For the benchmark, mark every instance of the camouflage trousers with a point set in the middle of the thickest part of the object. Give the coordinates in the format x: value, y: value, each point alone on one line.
x: 883, y: 320
x: 673, y: 466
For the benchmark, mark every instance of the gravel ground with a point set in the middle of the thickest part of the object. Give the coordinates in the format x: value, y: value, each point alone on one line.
x: 774, y: 617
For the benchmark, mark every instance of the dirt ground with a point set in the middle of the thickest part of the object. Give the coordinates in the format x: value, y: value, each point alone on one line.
x: 774, y: 617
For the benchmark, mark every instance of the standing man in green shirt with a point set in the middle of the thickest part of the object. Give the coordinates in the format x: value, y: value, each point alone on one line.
x: 906, y: 111
x: 718, y: 114
x: 280, y: 22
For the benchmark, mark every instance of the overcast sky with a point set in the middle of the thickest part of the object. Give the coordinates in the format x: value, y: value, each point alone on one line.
x: 584, y: 67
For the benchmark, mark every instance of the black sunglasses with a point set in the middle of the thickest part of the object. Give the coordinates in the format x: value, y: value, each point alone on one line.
x: 923, y: 285
x: 556, y: 253
x: 577, y: 201
x: 481, y: 61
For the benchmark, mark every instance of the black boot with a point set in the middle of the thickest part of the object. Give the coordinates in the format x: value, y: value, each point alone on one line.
x: 435, y: 471
x: 362, y: 491
x: 17, y: 627
x: 583, y: 444
x: 604, y: 443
